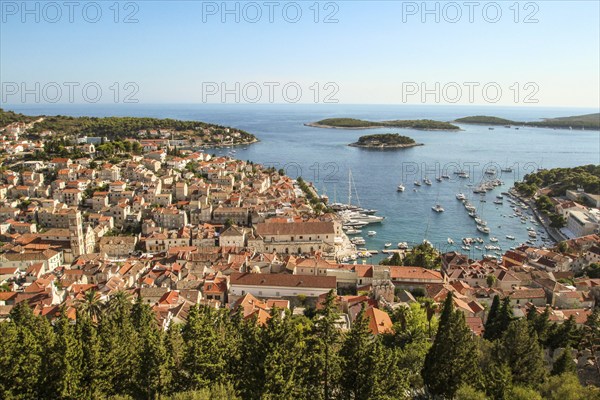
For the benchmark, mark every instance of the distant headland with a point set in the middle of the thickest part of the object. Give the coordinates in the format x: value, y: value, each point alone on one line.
x: 587, y: 121
x: 352, y: 123
x: 385, y: 141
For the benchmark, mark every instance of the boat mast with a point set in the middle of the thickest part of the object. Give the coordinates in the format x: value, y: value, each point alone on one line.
x: 349, y: 186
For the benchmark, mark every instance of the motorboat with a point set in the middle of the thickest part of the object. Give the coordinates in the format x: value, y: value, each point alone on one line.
x: 400, y: 188
x: 387, y: 245
x: 450, y: 241
x: 460, y: 196
x: 371, y: 233
x: 439, y: 179
x: 353, y: 231
x: 483, y: 229
x: 509, y: 237
x: 403, y: 245
x: 494, y: 239
x: 481, y: 222
x: 437, y: 208
x: 417, y: 183
x: 427, y: 181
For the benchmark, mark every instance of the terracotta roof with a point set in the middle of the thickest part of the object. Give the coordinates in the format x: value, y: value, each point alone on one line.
x: 303, y: 281
x: 379, y: 321
x: 399, y: 273
x: 295, y: 228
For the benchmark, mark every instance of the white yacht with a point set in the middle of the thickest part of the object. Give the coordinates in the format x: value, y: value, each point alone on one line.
x: 481, y: 222
x: 509, y: 237
x: 437, y: 208
x: 494, y: 239
x: 353, y: 231
x: 532, y: 234
x: 403, y: 245
x: 371, y: 233
x: 400, y: 188
x: 417, y: 183
x: 387, y: 245
x: 450, y: 241
x: 460, y: 196
x: 483, y: 229
x: 427, y: 181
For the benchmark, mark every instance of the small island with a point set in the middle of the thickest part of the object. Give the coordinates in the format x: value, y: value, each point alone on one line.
x: 352, y: 123
x: 587, y: 121
x: 385, y: 141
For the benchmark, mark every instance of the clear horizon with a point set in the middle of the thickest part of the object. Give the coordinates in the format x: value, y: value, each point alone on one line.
x: 538, y: 54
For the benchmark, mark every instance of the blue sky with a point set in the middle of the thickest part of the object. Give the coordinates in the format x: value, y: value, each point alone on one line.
x: 375, y: 53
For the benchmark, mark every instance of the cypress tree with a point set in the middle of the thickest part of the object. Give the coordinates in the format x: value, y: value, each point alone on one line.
x: 490, y: 332
x: 564, y: 363
x: 505, y: 316
x: 452, y: 359
x: 520, y: 350
x: 66, y: 360
x: 92, y: 384
x: 356, y: 381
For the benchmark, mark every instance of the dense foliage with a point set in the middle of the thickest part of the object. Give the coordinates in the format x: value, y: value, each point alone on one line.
x: 113, y: 127
x: 588, y: 121
x: 426, y: 124
x: 422, y: 255
x: 385, y: 139
x: 117, y: 351
x: 559, y: 180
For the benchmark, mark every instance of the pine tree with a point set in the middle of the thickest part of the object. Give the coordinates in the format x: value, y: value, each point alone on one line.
x: 452, y: 359
x: 66, y: 361
x: 357, y: 348
x: 153, y: 375
x: 491, y: 323
x: 505, y: 316
x: 284, y: 349
x: 564, y: 363
x: 203, y: 362
x: 498, y: 379
x: 326, y: 368
x: 520, y: 350
x: 541, y: 325
x: 92, y: 384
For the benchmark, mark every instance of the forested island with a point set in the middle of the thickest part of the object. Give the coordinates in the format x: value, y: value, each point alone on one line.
x: 588, y: 121
x: 385, y: 141
x: 133, y: 127
x: 352, y: 123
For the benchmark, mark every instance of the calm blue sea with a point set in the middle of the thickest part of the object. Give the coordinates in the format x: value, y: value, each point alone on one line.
x: 323, y: 157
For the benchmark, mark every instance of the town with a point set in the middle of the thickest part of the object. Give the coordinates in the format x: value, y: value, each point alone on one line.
x: 159, y: 218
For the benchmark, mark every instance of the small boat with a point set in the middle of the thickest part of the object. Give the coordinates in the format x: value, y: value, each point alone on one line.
x: 450, y: 241
x: 445, y: 176
x: 400, y: 188
x: 490, y: 171
x: 472, y: 214
x: 467, y: 248
x: 463, y: 175
x: 494, y: 240
x: 371, y: 233
x: 403, y: 245
x: 509, y: 237
x: 490, y: 128
x: 387, y: 245
x: 499, y: 202
x: 481, y: 222
x: 353, y: 231
x: 439, y: 179
x: 358, y: 241
x: 500, y: 197
x: 417, y: 183
x: 479, y: 240
x: 532, y: 234
x: 460, y: 196
x: 427, y: 181
x: 483, y: 229
x: 437, y: 208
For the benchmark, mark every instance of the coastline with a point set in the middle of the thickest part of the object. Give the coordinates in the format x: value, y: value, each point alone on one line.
x: 385, y: 147
x: 355, y: 128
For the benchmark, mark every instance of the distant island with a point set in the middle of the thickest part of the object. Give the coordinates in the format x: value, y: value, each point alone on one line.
x: 385, y: 141
x: 352, y: 123
x: 134, y: 127
x: 588, y: 121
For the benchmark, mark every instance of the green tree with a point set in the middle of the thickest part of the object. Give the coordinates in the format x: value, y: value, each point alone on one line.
x: 66, y: 361
x: 564, y: 363
x: 90, y: 305
x: 452, y: 359
x: 92, y: 384
x: 466, y: 392
x: 491, y: 323
x: 490, y: 280
x: 567, y: 387
x: 522, y: 393
x: 203, y: 362
x: 519, y: 349
x: 357, y: 354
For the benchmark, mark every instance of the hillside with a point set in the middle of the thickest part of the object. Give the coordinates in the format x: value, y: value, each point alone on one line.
x: 352, y: 123
x: 118, y: 127
x: 587, y: 121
